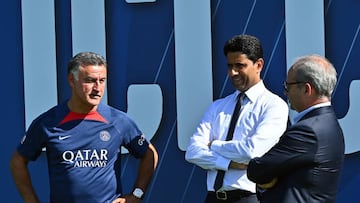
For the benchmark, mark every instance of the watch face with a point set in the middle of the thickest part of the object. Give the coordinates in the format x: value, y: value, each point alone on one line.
x: 138, y: 193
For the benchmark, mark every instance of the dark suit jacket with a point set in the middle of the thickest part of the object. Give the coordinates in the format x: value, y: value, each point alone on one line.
x: 307, y: 161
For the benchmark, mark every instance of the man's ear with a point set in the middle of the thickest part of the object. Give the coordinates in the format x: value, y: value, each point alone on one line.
x: 260, y: 64
x: 71, y: 79
x: 309, y: 89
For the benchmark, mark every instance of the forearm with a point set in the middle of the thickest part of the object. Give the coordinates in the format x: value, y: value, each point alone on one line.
x: 232, y: 150
x: 21, y: 176
x: 206, y: 159
x: 25, y: 188
x: 238, y: 166
x: 147, y: 168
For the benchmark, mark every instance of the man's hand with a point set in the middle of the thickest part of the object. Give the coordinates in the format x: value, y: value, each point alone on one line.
x: 239, y: 166
x: 127, y: 199
x: 268, y: 185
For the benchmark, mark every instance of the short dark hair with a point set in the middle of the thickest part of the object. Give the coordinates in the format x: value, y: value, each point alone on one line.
x: 246, y: 44
x: 85, y: 59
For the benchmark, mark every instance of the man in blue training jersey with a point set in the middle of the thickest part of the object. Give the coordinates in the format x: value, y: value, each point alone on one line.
x: 83, y: 140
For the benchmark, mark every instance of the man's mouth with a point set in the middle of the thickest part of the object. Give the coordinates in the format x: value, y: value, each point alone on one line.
x: 237, y: 79
x: 94, y: 96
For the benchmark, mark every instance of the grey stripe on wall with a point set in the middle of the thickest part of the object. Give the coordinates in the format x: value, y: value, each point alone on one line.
x: 39, y: 57
x: 304, y: 28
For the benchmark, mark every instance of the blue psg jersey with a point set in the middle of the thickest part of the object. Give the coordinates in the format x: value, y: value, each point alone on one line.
x: 83, y: 151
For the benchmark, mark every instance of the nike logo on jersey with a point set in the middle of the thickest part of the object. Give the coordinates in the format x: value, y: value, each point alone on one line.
x: 64, y: 137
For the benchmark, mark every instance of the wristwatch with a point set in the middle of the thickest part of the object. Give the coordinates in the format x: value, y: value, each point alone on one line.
x: 138, y: 193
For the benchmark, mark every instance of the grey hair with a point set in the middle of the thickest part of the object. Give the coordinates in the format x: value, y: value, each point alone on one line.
x: 318, y: 71
x: 84, y: 59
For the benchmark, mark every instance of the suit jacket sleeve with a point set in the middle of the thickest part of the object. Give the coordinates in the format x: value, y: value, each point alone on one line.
x: 296, y: 148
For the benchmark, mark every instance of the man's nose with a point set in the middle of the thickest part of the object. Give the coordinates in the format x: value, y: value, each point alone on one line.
x: 96, y: 84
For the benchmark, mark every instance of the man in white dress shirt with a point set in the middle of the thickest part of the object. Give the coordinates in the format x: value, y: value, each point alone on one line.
x: 262, y: 120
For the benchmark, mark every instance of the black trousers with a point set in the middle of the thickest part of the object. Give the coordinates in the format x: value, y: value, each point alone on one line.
x: 211, y: 198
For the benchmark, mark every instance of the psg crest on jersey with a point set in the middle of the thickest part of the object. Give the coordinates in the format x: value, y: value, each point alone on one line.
x: 104, y: 135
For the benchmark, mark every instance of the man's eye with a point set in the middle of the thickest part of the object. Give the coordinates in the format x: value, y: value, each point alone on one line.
x: 239, y: 65
x: 89, y: 80
x: 235, y: 66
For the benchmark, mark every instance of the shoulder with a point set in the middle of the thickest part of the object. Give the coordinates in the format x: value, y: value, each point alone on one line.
x: 110, y: 111
x: 223, y: 102
x: 272, y: 100
x: 226, y: 99
x: 52, y: 116
x: 113, y: 114
x: 319, y: 118
x: 260, y: 95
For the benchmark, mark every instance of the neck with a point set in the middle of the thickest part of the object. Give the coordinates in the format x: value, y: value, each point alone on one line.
x: 320, y: 100
x: 315, y: 101
x: 80, y: 108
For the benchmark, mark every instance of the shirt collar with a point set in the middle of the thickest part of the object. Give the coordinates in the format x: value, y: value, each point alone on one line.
x: 253, y: 92
x: 302, y: 114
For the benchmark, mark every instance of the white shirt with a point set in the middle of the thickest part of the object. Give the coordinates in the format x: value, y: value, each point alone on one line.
x: 263, y: 119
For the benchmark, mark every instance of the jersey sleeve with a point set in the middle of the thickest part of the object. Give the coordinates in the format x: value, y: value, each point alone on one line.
x: 33, y: 141
x: 135, y: 141
x: 138, y: 146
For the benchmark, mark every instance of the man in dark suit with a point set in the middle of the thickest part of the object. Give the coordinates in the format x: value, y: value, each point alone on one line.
x: 305, y: 165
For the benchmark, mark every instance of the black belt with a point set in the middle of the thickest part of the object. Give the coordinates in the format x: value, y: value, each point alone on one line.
x: 232, y: 194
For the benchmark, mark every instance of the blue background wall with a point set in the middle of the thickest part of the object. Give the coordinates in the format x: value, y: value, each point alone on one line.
x: 140, y: 48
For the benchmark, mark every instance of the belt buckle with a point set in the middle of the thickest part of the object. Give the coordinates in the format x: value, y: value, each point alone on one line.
x: 221, y: 195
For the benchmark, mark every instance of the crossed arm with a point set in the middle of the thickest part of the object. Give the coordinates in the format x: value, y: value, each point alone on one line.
x: 240, y: 166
